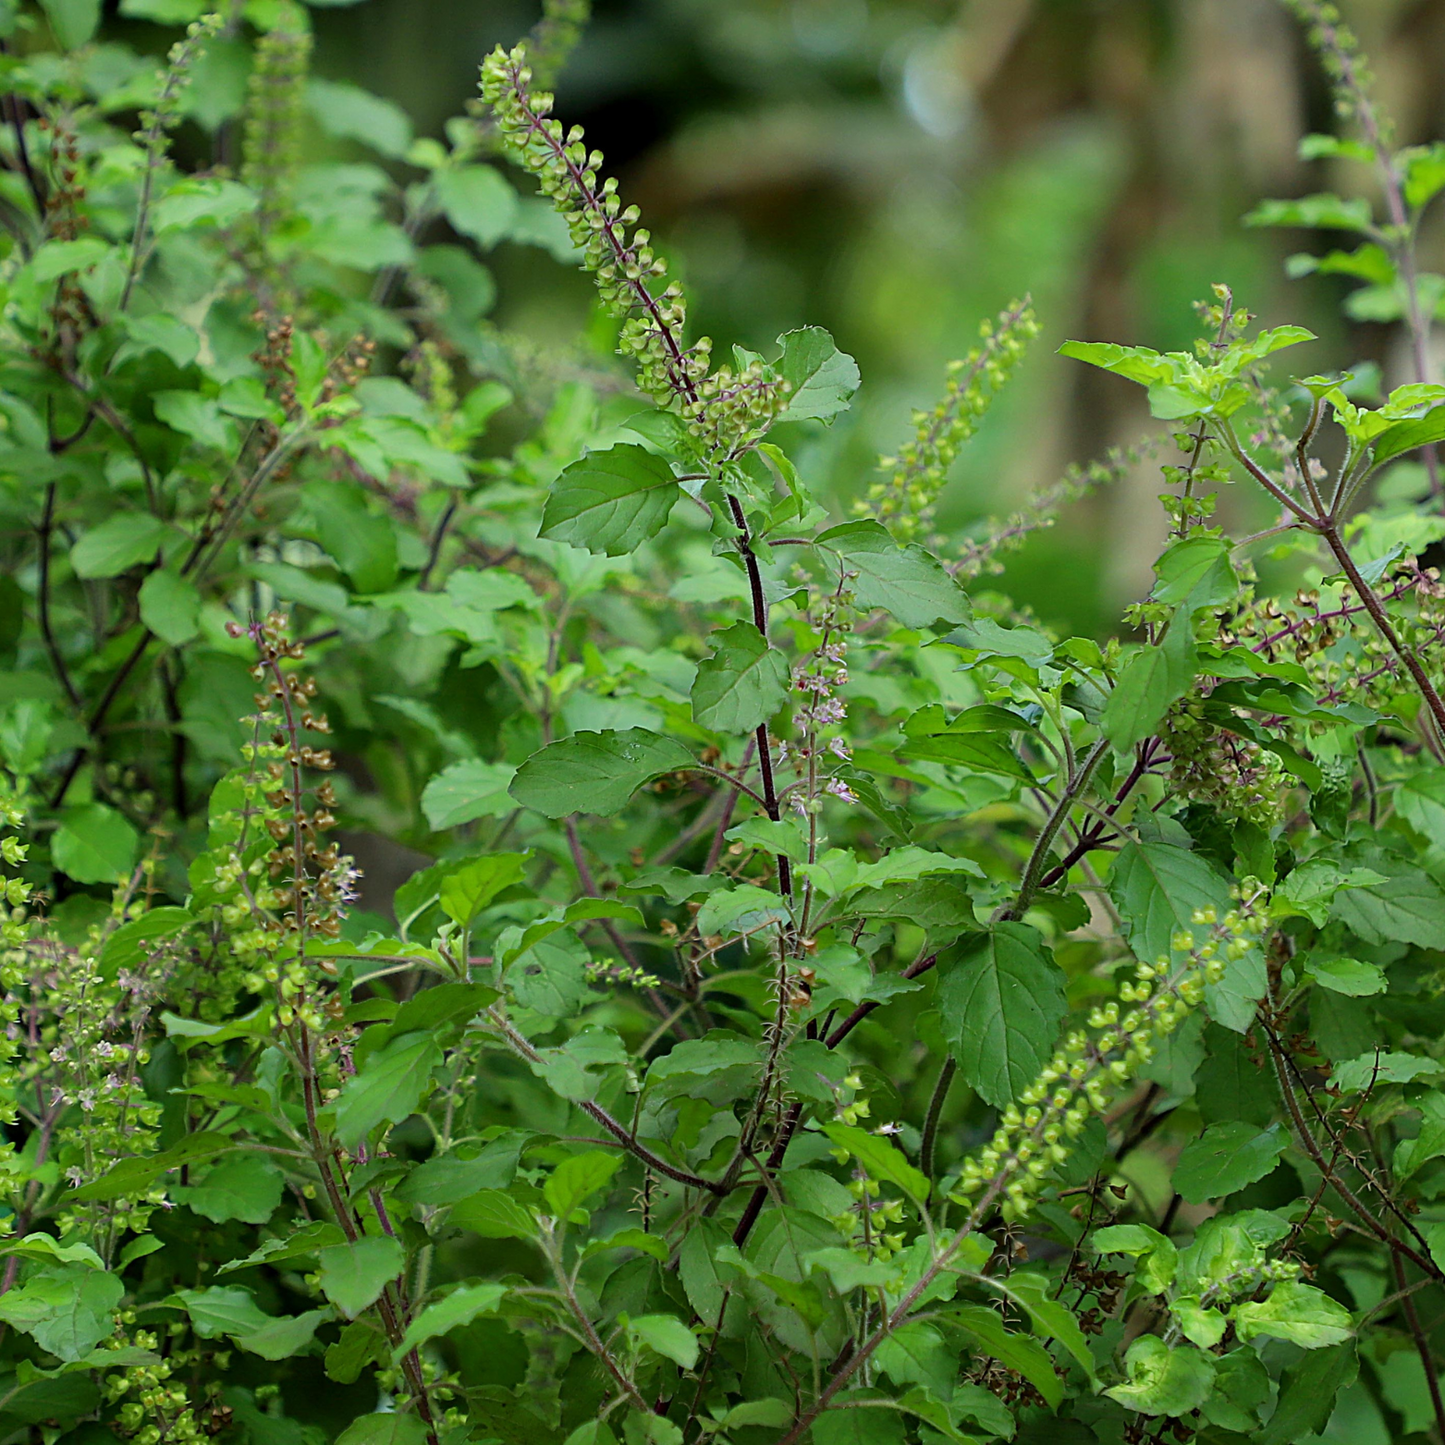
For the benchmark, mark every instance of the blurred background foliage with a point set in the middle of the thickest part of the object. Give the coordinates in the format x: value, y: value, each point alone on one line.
x: 896, y: 170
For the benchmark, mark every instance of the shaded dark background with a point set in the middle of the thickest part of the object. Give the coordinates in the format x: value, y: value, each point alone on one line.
x: 896, y: 171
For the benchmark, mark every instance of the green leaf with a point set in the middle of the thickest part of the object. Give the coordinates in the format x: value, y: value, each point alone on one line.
x: 118, y: 544
x: 350, y: 113
x: 1296, y: 1312
x: 651, y: 1244
x: 1322, y: 212
x: 916, y: 1354
x: 702, y: 1281
x: 352, y: 1276
x: 391, y: 1428
x: 448, y: 1178
x: 195, y: 416
x: 72, y: 22
x: 1196, y: 573
x: 363, y: 543
x: 134, y: 1175
x: 94, y: 844
x: 848, y: 1270
x: 1154, y: 677
x: 54, y: 259
x: 906, y: 581
x: 820, y: 377
x: 459, y: 1308
x: 1420, y: 801
x: 360, y: 1344
x: 1225, y: 1158
x: 583, y: 910
x: 283, y: 1337
x: 467, y: 791
x: 1164, y: 1381
x: 610, y: 502
x: 550, y: 977
x: 742, y: 684
x: 746, y: 909
x: 1158, y: 1257
x: 66, y: 1309
x: 1157, y: 888
x: 577, y: 1179
x: 478, y: 201
x: 882, y: 1159
x: 1001, y: 999
x: 170, y: 606
x: 1347, y: 976
x: 221, y: 1310
x: 769, y: 1411
x: 493, y: 1215
x: 668, y: 1336
x: 1354, y: 1076
x: 46, y: 1247
x: 1017, y: 1351
x: 595, y: 772
x: 1308, y: 1392
x: 470, y: 888
x: 1050, y: 1316
x: 1409, y: 907
x: 1405, y: 436
x: 388, y: 1089
x: 846, y: 1424
x: 306, y: 1242
x: 159, y: 333
x: 244, y: 1187
x: 1137, y: 363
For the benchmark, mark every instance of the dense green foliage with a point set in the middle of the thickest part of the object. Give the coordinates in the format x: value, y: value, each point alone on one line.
x: 829, y: 1005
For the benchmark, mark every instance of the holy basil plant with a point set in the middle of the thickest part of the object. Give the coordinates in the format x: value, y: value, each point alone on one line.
x: 811, y: 1000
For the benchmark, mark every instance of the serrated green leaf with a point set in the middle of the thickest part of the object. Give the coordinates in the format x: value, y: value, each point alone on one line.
x: 283, y: 1337
x: 390, y: 1428
x: 595, y: 772
x: 66, y: 1309
x: 577, y: 1179
x: 742, y: 684
x: 388, y: 1089
x: 1225, y: 1158
x: 820, y: 377
x: 466, y: 890
x: 1296, y: 1312
x: 906, y: 581
x: 1406, y: 436
x: 459, y: 1308
x: 243, y: 1187
x: 1154, y: 677
x: 1164, y: 1380
x: 1323, y: 212
x: 352, y: 1276
x: 1157, y: 888
x: 1001, y: 1000
x: 133, y: 1176
x: 1137, y: 363
x: 494, y: 1215
x: 610, y: 502
x: 1307, y: 1393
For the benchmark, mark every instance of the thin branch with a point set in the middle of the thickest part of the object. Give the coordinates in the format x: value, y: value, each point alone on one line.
x: 655, y: 1162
